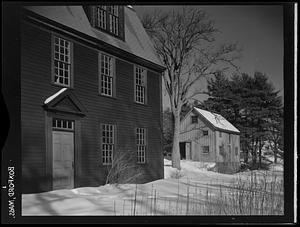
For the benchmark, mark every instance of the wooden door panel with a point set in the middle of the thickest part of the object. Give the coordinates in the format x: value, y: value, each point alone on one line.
x: 63, y: 158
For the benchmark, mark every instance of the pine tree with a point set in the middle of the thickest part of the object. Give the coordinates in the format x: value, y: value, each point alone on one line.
x: 253, y: 106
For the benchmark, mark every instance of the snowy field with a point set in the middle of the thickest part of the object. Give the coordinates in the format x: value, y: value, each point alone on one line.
x: 192, y: 191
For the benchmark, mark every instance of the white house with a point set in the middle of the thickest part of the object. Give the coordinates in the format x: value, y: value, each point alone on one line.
x: 209, y: 137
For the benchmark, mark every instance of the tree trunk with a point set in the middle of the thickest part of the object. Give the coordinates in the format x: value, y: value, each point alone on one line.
x: 260, y: 156
x: 245, y: 150
x: 175, y: 148
x: 254, y: 147
x: 275, y: 153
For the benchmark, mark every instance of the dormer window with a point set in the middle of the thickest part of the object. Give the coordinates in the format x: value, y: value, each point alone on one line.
x: 100, y: 21
x: 109, y: 19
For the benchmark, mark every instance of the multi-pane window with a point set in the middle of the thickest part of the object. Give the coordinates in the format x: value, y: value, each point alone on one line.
x: 62, y: 61
x: 62, y: 124
x: 220, y: 134
x: 194, y: 119
x: 107, y: 143
x: 113, y: 12
x: 107, y: 18
x: 101, y: 17
x: 106, y: 75
x: 205, y: 149
x: 141, y: 144
x: 205, y: 132
x: 140, y: 84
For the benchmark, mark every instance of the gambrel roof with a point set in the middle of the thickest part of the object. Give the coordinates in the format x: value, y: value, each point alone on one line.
x: 218, y: 121
x: 136, y: 42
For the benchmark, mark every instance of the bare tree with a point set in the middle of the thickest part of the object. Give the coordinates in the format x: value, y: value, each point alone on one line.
x: 275, y: 136
x: 184, y: 39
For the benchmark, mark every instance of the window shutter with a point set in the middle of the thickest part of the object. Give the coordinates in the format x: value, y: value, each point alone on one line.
x: 121, y: 22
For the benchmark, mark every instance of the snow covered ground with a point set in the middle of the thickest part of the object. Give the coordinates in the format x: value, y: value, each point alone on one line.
x: 154, y: 198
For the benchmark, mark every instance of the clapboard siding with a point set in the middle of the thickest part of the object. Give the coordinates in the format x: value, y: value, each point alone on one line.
x: 120, y: 110
x: 193, y: 132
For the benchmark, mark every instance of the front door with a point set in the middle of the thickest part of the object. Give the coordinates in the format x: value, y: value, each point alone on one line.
x: 188, y: 151
x: 63, y: 160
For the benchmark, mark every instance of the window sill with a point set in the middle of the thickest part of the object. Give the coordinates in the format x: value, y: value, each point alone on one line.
x: 139, y: 163
x: 61, y: 86
x: 106, y: 164
x: 141, y: 104
x: 106, y: 96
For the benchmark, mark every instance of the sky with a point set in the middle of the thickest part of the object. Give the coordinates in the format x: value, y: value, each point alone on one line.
x: 257, y: 29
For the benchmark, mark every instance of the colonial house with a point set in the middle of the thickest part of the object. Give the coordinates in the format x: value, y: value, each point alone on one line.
x: 90, y: 88
x: 209, y: 137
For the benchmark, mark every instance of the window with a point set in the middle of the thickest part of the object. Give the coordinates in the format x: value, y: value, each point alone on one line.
x: 141, y: 145
x: 229, y: 138
x: 62, y: 124
x: 140, y: 78
x: 101, y: 17
x: 106, y: 75
x: 205, y: 149
x: 107, y: 18
x: 229, y: 149
x: 220, y: 134
x: 62, y: 61
x: 194, y: 119
x: 236, y: 151
x: 205, y: 132
x: 221, y: 150
x: 107, y: 143
x: 113, y: 13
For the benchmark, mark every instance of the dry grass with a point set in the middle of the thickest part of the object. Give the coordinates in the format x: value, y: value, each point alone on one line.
x: 262, y: 194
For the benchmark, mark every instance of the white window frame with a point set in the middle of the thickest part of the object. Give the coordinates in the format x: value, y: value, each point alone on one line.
x: 113, y: 14
x: 140, y: 84
x: 107, y: 143
x: 62, y: 124
x: 141, y: 144
x: 107, y: 18
x: 100, y: 20
x: 107, y: 75
x: 62, y: 58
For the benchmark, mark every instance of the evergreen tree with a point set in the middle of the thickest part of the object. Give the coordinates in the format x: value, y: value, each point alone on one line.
x: 253, y: 106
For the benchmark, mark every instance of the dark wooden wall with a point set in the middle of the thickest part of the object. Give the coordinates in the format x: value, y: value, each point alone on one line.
x: 121, y: 110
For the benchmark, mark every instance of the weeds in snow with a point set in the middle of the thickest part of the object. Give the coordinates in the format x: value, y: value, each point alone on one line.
x: 260, y: 195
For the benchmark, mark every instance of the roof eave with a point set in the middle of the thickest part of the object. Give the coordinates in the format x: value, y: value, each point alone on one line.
x: 32, y: 16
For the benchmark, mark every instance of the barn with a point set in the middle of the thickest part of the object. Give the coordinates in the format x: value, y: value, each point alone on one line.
x: 90, y: 90
x: 209, y: 137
